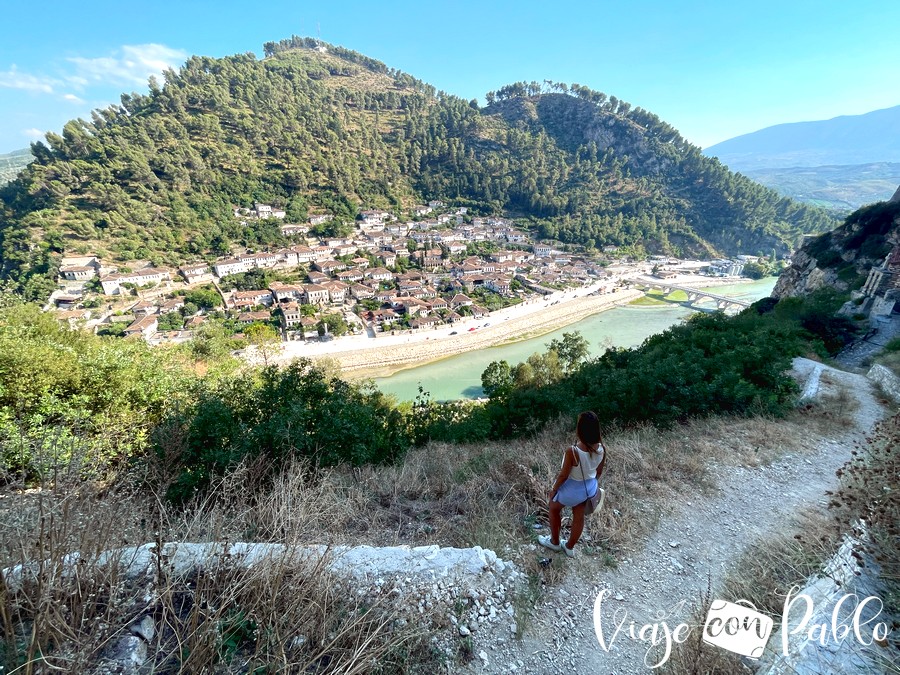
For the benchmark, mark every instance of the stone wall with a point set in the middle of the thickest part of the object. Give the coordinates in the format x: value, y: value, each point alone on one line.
x: 889, y: 382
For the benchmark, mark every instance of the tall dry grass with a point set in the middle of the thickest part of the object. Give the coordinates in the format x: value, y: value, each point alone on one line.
x: 489, y: 494
x: 274, y: 617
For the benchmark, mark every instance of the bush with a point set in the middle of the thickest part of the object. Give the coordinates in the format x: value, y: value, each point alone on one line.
x: 63, y: 388
x: 297, y: 412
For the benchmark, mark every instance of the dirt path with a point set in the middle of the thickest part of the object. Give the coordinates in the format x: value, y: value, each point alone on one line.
x: 697, y: 542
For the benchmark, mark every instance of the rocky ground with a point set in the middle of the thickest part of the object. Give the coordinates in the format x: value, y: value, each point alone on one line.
x: 693, y: 546
x: 858, y: 355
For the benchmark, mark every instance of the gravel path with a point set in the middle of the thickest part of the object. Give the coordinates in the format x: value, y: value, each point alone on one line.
x: 695, y: 544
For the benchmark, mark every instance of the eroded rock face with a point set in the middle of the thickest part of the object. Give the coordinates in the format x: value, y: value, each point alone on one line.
x: 896, y: 197
x: 803, y: 276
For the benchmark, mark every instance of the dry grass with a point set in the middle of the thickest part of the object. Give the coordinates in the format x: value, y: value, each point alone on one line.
x: 487, y: 494
x: 226, y: 618
x: 771, y: 566
x: 694, y: 656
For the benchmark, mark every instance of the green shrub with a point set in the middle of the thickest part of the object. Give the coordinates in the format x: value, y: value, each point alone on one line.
x: 278, y: 415
x: 64, y: 389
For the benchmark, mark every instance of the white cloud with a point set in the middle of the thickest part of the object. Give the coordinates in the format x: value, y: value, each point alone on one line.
x: 72, y: 98
x: 14, y: 79
x: 130, y: 65
x: 33, y: 133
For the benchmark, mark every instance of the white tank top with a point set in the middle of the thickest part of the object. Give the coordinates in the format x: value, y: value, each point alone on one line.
x: 587, y: 462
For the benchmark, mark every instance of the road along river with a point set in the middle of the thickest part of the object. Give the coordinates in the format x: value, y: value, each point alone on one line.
x: 460, y: 376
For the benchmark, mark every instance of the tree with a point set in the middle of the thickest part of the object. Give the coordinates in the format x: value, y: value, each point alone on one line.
x: 266, y: 340
x: 573, y: 349
x: 497, y: 379
x: 206, y: 298
x: 335, y: 323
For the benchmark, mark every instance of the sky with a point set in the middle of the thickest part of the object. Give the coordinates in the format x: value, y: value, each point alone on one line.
x: 714, y: 69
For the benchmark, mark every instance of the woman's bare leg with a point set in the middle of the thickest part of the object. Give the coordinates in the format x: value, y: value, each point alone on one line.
x: 577, y: 525
x: 555, y: 521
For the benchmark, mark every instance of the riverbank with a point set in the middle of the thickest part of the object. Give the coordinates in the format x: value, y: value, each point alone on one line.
x: 366, y: 363
x: 380, y: 356
x: 383, y: 355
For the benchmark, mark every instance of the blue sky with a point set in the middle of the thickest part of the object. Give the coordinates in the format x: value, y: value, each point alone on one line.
x: 712, y: 68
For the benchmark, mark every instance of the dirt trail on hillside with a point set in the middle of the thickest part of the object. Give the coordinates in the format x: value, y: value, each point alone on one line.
x: 699, y: 541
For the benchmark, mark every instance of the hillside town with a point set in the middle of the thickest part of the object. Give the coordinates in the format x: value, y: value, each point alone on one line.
x: 387, y: 275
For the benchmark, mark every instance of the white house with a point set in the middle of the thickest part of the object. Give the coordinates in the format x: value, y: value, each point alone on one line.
x: 315, y: 294
x: 231, y: 266
x: 112, y: 283
x: 77, y: 272
x: 195, y: 272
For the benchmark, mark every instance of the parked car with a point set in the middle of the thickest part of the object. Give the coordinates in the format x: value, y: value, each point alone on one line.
x: 453, y: 333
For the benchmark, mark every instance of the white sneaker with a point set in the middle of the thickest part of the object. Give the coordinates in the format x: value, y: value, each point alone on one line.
x: 544, y: 540
x: 568, y: 551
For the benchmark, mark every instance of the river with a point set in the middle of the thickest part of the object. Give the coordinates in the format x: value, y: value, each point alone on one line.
x: 460, y: 376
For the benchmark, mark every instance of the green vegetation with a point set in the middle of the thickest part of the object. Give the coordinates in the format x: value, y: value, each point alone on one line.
x: 763, y: 268
x: 279, y: 416
x: 64, y: 392
x: 711, y: 364
x: 655, y: 298
x: 333, y: 131
x: 206, y: 297
x: 862, y: 238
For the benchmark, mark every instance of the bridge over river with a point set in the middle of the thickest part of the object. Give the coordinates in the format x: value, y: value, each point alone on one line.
x: 695, y: 296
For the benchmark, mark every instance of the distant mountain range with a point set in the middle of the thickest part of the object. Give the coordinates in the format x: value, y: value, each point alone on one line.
x: 838, y: 188
x: 850, y: 139
x: 839, y: 164
x: 12, y: 163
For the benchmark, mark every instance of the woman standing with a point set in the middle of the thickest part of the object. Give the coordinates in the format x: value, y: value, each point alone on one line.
x: 576, y: 483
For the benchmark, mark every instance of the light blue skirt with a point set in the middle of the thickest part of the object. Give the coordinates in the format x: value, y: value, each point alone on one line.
x: 573, y: 492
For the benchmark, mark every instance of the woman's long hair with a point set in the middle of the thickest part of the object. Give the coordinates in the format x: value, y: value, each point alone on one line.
x: 588, y: 429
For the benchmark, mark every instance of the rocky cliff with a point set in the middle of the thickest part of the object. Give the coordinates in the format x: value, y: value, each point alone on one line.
x: 841, y: 259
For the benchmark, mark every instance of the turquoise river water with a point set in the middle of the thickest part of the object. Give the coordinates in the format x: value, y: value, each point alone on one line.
x: 460, y: 376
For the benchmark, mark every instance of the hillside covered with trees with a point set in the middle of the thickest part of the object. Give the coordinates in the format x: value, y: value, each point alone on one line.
x: 314, y: 128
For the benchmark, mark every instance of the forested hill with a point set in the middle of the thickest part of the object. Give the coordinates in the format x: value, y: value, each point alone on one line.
x: 314, y: 128
x: 11, y: 163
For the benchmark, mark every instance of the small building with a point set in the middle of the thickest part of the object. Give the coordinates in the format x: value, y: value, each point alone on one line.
x: 329, y: 266
x: 146, y: 326
x: 286, y: 293
x: 389, y: 258
x: 231, y: 266
x: 253, y: 317
x: 294, y: 229
x: 337, y: 291
x: 77, y: 272
x: 313, y: 294
x: 241, y: 299
x: 349, y: 276
x: 360, y: 292
x: 112, y: 283
x: 425, y: 322
x: 196, y: 273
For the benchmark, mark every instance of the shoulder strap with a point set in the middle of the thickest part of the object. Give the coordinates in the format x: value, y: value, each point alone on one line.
x: 574, y: 449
